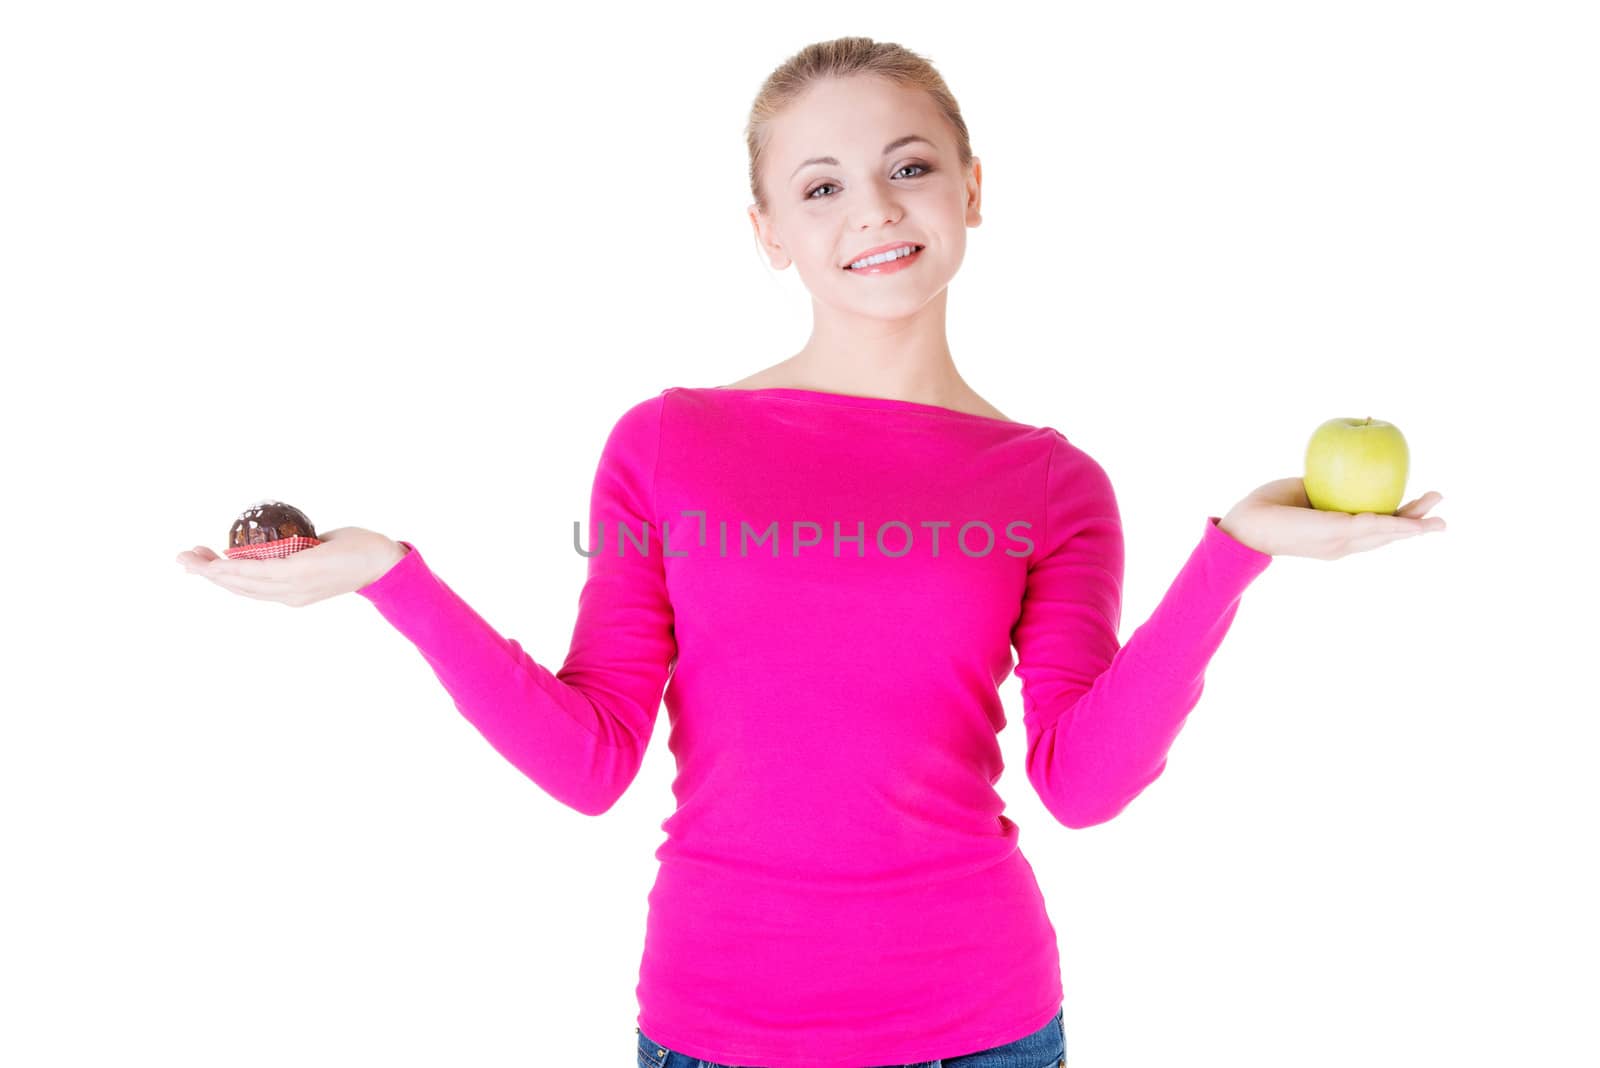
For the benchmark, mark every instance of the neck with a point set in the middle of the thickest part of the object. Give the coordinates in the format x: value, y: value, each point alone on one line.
x: 903, y: 359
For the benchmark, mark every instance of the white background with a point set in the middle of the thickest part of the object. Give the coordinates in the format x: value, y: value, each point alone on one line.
x: 404, y: 265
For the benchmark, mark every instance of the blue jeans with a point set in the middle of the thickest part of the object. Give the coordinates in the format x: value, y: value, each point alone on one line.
x: 1045, y: 1048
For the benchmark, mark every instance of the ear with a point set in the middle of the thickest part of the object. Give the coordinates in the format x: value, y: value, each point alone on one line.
x: 763, y: 232
x: 975, y: 193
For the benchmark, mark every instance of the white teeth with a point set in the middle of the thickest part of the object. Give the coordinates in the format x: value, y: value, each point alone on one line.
x: 904, y: 250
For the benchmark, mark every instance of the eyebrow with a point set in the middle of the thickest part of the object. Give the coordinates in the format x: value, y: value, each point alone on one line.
x: 888, y: 148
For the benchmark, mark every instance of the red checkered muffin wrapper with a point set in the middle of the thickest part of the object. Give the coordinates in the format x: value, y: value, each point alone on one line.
x: 271, y: 550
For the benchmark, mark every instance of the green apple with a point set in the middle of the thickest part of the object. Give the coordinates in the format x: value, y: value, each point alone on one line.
x: 1356, y: 465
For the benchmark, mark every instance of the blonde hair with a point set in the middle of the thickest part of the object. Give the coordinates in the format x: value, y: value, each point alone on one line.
x: 842, y: 58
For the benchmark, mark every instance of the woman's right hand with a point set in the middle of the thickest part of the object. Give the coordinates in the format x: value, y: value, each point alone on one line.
x: 348, y: 559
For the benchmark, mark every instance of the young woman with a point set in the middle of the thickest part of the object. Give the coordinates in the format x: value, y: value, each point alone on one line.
x: 823, y: 569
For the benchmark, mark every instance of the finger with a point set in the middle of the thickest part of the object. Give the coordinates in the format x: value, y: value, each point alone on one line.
x: 267, y: 569
x: 1374, y: 539
x: 1365, y: 532
x: 1422, y: 504
x: 246, y: 576
x: 196, y: 559
x: 248, y: 587
x: 1375, y: 528
x: 1410, y: 528
x: 1415, y: 513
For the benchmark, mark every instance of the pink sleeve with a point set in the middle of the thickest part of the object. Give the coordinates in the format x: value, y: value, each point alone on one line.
x: 579, y: 733
x: 1101, y: 717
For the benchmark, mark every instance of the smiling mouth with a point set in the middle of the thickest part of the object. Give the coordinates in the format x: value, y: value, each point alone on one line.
x: 914, y: 250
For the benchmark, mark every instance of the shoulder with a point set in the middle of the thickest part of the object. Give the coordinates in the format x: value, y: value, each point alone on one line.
x: 634, y: 436
x: 1067, y: 457
x: 1078, y: 484
x: 643, y: 416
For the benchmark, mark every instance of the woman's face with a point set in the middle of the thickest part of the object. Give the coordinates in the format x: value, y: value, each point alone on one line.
x: 824, y: 215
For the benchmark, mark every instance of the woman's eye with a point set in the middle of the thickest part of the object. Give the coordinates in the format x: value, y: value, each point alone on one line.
x: 811, y: 194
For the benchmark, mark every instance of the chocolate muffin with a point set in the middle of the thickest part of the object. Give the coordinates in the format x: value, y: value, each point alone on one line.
x: 270, y: 529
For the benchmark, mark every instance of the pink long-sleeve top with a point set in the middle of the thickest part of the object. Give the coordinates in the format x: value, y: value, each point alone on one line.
x: 826, y: 590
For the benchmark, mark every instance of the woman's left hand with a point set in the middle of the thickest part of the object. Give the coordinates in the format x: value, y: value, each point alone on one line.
x: 1278, y: 519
